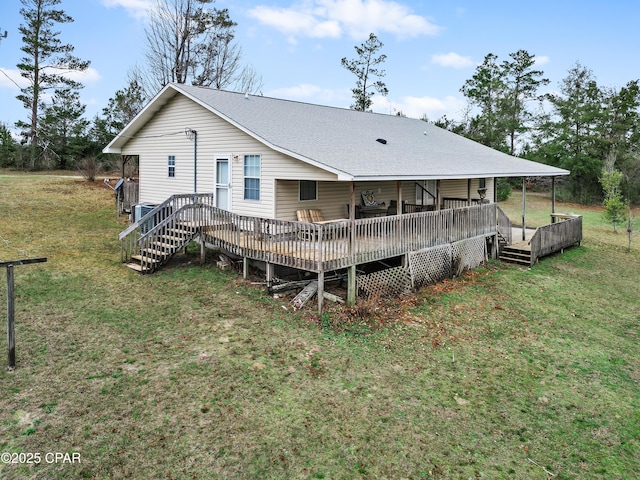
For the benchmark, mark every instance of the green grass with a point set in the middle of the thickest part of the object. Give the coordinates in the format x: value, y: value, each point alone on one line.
x: 193, y: 373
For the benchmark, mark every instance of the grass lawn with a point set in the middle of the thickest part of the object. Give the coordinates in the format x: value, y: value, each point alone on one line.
x: 504, y: 373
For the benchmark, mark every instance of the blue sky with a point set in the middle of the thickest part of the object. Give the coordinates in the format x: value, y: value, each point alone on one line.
x: 296, y: 46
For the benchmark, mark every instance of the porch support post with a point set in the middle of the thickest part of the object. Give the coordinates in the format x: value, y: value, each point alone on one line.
x: 245, y: 268
x: 399, y: 195
x: 352, y: 201
x: 320, y: 291
x: 469, y: 192
x: 553, y: 198
x: 351, y: 286
x: 202, y: 252
x: 437, y: 205
x: 524, y: 208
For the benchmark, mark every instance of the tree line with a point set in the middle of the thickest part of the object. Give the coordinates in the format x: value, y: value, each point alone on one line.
x: 591, y: 130
x: 187, y: 41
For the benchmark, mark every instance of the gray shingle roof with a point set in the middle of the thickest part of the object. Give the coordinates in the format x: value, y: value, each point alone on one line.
x: 345, y: 141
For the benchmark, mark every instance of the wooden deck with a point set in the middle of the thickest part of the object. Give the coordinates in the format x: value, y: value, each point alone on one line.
x: 328, y: 245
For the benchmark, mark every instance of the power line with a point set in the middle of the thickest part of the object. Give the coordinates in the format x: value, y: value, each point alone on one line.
x: 12, y: 80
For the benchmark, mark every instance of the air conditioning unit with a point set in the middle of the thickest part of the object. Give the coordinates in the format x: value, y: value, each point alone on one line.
x: 139, y: 212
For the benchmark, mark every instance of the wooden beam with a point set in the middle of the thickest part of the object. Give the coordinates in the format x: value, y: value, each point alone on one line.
x: 320, y: 292
x: 351, y: 286
x: 22, y: 262
x: 270, y: 273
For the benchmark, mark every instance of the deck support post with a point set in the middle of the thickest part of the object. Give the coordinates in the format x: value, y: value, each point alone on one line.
x: 320, y: 292
x: 351, y: 286
x: 202, y: 252
x: 245, y: 268
x: 271, y: 268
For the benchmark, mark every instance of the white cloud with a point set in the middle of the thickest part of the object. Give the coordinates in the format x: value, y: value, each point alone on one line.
x: 452, y: 60
x: 307, y: 92
x: 541, y: 60
x: 416, y: 107
x: 135, y: 8
x: 355, y: 18
x: 87, y: 76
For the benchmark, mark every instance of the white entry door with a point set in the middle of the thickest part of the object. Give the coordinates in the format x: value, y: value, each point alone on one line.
x: 223, y: 183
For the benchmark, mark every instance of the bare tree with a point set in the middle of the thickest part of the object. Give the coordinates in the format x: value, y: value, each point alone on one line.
x: 188, y: 42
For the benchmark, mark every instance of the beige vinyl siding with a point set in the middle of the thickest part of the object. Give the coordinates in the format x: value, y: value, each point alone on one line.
x: 333, y: 197
x: 459, y: 188
x: 164, y: 135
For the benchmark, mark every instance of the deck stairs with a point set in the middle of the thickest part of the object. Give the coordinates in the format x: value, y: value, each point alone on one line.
x: 152, y: 240
x: 161, y: 247
x: 519, y: 253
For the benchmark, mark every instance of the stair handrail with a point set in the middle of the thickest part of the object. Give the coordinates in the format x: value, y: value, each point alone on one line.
x: 167, y: 220
x: 195, y: 197
x: 129, y: 238
x: 435, y: 200
x: 504, y: 225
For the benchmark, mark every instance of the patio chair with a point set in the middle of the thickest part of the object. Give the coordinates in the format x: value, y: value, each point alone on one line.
x: 392, y: 209
x: 309, y: 216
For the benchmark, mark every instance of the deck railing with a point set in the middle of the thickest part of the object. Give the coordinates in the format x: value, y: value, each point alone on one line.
x: 556, y: 237
x: 504, y: 226
x: 332, y: 245
x: 129, y: 238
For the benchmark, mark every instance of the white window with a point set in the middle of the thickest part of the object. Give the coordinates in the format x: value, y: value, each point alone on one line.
x: 171, y: 166
x: 252, y: 177
x: 307, y: 190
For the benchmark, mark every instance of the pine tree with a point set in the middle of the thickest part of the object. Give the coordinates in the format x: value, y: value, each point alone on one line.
x: 365, y: 67
x: 45, y: 62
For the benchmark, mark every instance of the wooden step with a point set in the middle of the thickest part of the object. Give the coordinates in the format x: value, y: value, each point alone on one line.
x: 146, y: 258
x: 170, y: 238
x: 151, y: 252
x: 514, y: 254
x: 162, y: 245
x: 138, y: 268
x: 184, y: 232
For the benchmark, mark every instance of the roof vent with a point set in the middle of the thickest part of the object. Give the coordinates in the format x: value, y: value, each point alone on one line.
x: 381, y: 140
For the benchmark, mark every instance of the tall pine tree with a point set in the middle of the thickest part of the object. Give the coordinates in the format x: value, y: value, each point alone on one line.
x: 45, y: 63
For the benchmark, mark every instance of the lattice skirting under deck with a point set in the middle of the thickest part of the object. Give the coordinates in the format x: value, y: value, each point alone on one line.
x: 426, y: 267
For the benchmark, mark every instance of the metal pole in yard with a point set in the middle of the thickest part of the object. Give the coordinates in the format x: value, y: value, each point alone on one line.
x: 11, y: 337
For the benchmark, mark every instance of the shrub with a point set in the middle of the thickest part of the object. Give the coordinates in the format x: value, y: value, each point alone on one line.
x: 89, y: 168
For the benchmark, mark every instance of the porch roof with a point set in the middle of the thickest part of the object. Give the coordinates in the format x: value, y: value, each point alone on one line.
x: 353, y: 145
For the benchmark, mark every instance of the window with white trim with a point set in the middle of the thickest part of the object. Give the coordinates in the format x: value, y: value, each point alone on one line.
x: 307, y: 190
x: 171, y: 166
x: 252, y: 177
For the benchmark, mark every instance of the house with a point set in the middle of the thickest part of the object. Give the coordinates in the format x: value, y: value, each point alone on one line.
x: 266, y: 159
